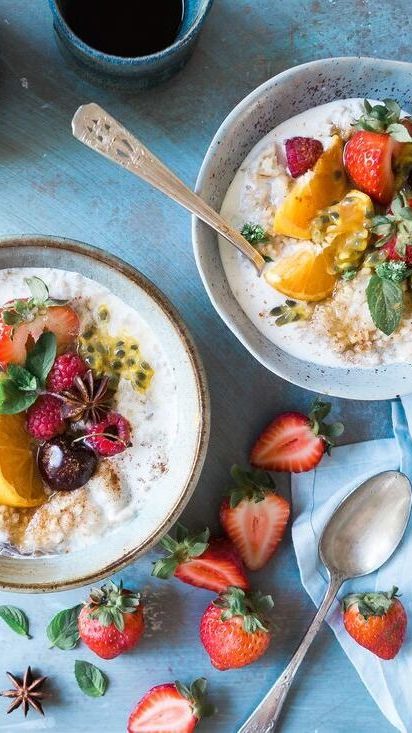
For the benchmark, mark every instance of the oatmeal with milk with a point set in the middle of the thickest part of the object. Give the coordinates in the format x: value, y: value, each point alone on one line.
x: 326, y: 198
x: 87, y: 411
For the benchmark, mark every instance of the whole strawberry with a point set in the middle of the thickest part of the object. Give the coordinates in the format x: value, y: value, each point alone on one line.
x: 296, y: 442
x: 171, y: 708
x: 111, y: 621
x: 214, y: 565
x: 377, y: 621
x: 254, y: 516
x: 233, y: 628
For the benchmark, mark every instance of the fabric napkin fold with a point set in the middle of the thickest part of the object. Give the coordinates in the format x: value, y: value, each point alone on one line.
x: 315, y: 495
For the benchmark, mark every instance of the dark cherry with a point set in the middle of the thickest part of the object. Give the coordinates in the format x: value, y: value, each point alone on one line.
x: 64, y: 465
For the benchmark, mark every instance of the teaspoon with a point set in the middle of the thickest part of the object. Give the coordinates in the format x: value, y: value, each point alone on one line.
x: 94, y: 127
x: 361, y: 535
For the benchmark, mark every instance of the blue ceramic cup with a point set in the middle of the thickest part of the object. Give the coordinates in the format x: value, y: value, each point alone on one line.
x: 130, y: 73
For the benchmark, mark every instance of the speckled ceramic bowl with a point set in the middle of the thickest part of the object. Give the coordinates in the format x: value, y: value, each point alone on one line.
x: 287, y: 94
x: 134, y: 73
x: 134, y: 538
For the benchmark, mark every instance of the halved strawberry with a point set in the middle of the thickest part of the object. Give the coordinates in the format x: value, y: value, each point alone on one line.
x: 254, y: 517
x: 213, y: 565
x: 295, y: 442
x: 368, y: 158
x: 302, y: 154
x: 62, y: 320
x: 170, y: 708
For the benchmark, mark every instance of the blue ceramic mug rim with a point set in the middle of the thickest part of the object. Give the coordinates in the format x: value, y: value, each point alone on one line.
x: 129, y: 60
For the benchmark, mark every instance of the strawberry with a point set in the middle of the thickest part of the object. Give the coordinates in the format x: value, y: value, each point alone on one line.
x: 377, y: 151
x: 213, y: 565
x: 233, y: 629
x: 111, y: 621
x: 295, y: 442
x: 171, y: 708
x: 302, y: 154
x: 254, y: 517
x: 377, y: 621
x: 394, y: 230
x: 23, y: 321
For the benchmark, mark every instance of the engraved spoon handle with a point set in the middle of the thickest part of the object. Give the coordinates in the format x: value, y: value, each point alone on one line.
x: 98, y: 130
x: 267, y: 714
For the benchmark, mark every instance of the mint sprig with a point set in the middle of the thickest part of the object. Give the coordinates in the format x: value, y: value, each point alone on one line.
x: 20, y: 386
x: 385, y: 301
x: 91, y: 680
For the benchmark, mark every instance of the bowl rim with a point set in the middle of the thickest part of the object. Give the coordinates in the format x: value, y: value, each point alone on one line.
x: 50, y: 241
x: 90, y: 51
x: 197, y: 226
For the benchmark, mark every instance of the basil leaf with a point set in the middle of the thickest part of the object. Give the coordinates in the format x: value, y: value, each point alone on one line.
x: 22, y: 378
x: 62, y: 630
x: 39, y: 290
x: 12, y: 400
x: 91, y: 680
x: 385, y: 301
x: 15, y: 619
x: 41, y: 358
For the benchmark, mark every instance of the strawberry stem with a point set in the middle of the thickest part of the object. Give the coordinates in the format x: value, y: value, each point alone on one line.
x: 250, y: 485
x: 181, y: 549
x: 371, y: 604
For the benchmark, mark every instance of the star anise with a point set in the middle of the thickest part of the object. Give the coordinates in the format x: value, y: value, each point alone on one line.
x: 89, y: 399
x: 26, y: 692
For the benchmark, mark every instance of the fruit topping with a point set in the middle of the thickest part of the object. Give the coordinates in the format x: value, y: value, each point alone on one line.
x: 89, y: 398
x: 345, y: 226
x: 368, y: 161
x: 254, y: 516
x: 110, y: 436
x: 296, y: 442
x: 289, y: 312
x: 377, y: 621
x: 213, y: 565
x: 307, y: 274
x: 20, y: 483
x: 171, y: 708
x: 233, y: 629
x: 111, y: 621
x: 23, y: 321
x: 20, y: 386
x: 394, y: 229
x: 117, y: 356
x: 64, y: 371
x: 44, y: 418
x: 327, y: 185
x: 64, y: 464
x: 302, y: 154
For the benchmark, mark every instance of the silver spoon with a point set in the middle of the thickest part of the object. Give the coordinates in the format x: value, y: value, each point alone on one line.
x: 94, y: 127
x: 360, y: 536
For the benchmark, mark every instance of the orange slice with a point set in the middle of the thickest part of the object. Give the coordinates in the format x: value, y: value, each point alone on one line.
x: 327, y: 185
x: 304, y: 275
x: 20, y: 483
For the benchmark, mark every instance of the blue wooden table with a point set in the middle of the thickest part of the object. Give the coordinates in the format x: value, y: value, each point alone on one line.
x: 51, y: 184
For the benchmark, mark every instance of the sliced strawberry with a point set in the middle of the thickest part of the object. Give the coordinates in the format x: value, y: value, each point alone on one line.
x: 170, y: 708
x: 368, y: 158
x: 392, y: 253
x: 254, y: 517
x: 295, y: 442
x: 302, y: 154
x: 62, y: 320
x: 213, y: 565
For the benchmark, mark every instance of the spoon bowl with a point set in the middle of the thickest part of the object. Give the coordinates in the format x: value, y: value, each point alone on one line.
x: 367, y: 526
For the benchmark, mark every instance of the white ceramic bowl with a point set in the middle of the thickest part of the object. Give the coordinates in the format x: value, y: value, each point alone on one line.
x: 160, y: 511
x: 291, y: 92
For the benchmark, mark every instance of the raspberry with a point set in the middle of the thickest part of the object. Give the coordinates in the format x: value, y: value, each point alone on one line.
x: 110, y: 436
x: 44, y: 418
x: 64, y: 371
x: 302, y: 154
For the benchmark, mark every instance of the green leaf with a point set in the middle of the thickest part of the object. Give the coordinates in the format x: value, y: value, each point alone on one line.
x: 22, y: 378
x: 41, y: 358
x: 399, y: 133
x: 12, y: 400
x: 91, y: 680
x: 385, y: 301
x: 38, y: 288
x: 254, y: 233
x: 62, y: 630
x: 10, y: 318
x: 15, y: 619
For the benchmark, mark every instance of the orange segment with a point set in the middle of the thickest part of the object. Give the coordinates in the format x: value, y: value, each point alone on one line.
x: 327, y: 185
x: 20, y: 483
x: 305, y: 275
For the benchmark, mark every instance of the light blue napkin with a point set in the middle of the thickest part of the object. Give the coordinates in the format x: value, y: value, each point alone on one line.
x: 315, y: 495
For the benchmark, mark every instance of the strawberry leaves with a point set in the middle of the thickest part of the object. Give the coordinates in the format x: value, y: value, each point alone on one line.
x: 251, y: 485
x: 328, y: 431
x: 384, y: 117
x: 196, y: 695
x: 24, y: 310
x: 371, y: 604
x: 109, y: 603
x: 181, y: 549
x: 252, y: 608
x: 20, y: 386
